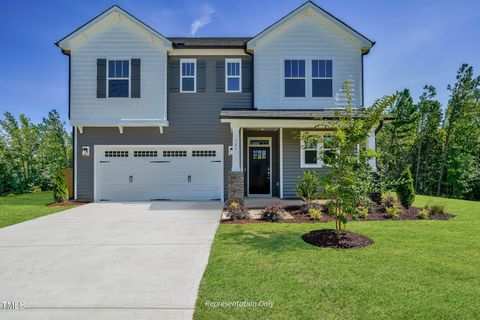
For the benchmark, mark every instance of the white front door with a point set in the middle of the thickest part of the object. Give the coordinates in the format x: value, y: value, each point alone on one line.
x: 145, y: 173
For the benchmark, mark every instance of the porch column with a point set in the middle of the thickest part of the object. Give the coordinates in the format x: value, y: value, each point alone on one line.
x: 235, y: 177
x: 371, y: 144
x: 236, y: 167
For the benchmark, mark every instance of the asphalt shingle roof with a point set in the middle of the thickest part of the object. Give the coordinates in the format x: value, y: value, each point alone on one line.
x: 209, y: 42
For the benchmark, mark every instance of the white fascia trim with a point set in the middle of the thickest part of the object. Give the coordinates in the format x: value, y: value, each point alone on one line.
x: 65, y: 42
x: 207, y: 52
x: 75, y: 176
x: 121, y: 123
x: 281, y: 162
x: 271, y: 123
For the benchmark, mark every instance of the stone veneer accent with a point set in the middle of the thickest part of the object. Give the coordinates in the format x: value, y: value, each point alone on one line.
x: 235, y: 185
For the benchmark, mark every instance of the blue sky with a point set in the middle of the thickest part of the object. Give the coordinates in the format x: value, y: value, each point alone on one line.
x: 418, y: 42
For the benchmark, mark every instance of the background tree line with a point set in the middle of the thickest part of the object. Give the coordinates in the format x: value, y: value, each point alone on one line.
x: 30, y: 154
x: 442, y: 146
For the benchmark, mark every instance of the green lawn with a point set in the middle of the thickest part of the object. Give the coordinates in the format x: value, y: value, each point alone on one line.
x: 415, y: 270
x: 18, y: 208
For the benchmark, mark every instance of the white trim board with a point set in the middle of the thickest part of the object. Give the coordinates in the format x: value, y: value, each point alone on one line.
x: 281, y: 161
x: 75, y: 176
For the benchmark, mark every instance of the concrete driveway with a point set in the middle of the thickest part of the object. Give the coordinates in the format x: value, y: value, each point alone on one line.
x: 108, y: 261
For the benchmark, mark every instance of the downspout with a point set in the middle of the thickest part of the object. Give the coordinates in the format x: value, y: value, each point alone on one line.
x: 363, y: 85
x: 252, y: 76
x: 74, y: 151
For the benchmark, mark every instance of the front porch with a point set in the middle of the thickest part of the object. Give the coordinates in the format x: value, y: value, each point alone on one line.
x: 267, y: 154
x: 260, y: 203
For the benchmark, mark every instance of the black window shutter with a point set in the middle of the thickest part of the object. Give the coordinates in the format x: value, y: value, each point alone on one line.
x: 101, y: 78
x: 201, y: 76
x: 174, y: 75
x: 220, y: 75
x: 246, y: 75
x: 135, y: 78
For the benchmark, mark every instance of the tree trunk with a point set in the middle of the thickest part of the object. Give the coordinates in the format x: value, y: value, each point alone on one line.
x: 442, y: 164
x: 417, y: 169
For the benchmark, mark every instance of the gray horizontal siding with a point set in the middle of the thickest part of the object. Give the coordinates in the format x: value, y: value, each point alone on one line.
x: 291, y: 162
x: 210, y: 85
x: 216, y: 134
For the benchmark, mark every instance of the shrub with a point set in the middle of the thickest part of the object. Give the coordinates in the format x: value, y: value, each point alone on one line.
x: 236, y: 211
x: 59, y: 184
x: 310, y: 205
x: 362, y: 212
x: 388, y: 201
x: 393, y: 212
x: 233, y: 200
x: 274, y: 213
x: 329, y: 208
x: 308, y: 186
x: 423, y: 214
x: 375, y: 193
x: 405, y: 190
x: 437, y: 209
x: 315, y: 213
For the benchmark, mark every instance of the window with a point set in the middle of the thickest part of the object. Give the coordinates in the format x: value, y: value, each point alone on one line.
x: 175, y: 153
x: 294, y: 72
x: 188, y: 74
x: 116, y: 154
x: 316, y: 154
x: 145, y: 153
x: 118, y: 78
x: 233, y: 75
x: 204, y: 153
x: 262, y: 142
x: 322, y: 79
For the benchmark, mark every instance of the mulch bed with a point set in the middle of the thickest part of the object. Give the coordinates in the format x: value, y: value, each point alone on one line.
x: 66, y: 203
x: 375, y: 214
x: 330, y: 238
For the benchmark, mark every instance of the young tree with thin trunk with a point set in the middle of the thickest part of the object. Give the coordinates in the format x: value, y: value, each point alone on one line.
x: 347, y: 182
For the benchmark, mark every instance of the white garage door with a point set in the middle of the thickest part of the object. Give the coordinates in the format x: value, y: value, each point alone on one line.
x: 146, y: 173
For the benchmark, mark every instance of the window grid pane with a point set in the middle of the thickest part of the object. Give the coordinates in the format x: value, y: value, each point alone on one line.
x: 233, y: 69
x: 118, y: 69
x: 294, y: 68
x: 322, y: 68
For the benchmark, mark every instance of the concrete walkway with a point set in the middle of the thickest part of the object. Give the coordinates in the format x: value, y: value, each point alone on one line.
x: 108, y: 261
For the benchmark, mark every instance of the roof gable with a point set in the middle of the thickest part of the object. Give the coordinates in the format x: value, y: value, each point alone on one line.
x: 311, y: 9
x: 65, y: 42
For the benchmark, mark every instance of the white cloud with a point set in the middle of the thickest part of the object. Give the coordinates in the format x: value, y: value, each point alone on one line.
x: 205, y: 18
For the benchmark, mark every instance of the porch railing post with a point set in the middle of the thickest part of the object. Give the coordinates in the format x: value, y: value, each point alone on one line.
x: 236, y: 149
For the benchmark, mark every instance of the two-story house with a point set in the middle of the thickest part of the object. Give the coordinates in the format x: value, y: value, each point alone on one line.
x: 205, y: 118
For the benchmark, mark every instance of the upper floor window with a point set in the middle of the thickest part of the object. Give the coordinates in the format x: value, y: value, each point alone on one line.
x: 294, y: 72
x: 233, y: 75
x: 322, y: 79
x: 118, y: 78
x: 188, y: 74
